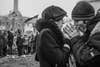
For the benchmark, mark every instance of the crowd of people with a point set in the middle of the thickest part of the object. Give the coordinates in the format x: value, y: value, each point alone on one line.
x: 68, y: 44
x: 14, y: 43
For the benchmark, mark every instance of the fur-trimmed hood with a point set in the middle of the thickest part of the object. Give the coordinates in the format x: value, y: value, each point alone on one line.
x: 43, y: 24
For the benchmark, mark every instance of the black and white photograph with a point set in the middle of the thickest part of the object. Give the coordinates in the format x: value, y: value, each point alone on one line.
x: 49, y: 33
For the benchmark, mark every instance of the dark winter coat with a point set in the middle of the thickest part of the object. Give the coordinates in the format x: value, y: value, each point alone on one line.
x: 19, y: 41
x: 10, y: 38
x: 50, y: 44
x: 3, y: 41
x: 90, y: 47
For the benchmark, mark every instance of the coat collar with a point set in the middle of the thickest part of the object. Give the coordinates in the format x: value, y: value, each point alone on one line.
x: 51, y: 25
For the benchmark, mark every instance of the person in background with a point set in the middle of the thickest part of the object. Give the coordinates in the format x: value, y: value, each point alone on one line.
x: 10, y: 41
x: 19, y: 42
x: 50, y: 41
x: 3, y: 43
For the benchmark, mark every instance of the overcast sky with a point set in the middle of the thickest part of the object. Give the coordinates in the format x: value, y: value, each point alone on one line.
x: 30, y: 8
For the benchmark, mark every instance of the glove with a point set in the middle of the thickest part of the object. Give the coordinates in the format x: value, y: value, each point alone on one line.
x: 69, y: 30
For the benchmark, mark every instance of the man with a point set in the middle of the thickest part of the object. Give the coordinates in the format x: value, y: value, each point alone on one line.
x: 10, y: 41
x: 3, y: 42
x: 86, y: 38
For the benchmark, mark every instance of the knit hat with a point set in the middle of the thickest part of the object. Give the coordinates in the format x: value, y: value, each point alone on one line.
x: 83, y: 11
x: 53, y: 12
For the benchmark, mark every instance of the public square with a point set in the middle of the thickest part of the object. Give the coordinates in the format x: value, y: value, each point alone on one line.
x: 27, y: 61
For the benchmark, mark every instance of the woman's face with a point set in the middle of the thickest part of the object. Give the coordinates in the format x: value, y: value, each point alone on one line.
x: 61, y: 22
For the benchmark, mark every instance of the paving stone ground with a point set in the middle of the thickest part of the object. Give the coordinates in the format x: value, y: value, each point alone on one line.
x: 27, y: 61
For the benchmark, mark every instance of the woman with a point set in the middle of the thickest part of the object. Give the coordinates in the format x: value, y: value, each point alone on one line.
x: 50, y: 42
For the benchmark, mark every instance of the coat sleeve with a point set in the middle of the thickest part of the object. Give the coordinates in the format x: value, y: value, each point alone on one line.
x: 50, y: 49
x: 95, y: 41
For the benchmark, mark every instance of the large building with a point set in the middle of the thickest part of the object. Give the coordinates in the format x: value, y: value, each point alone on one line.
x: 13, y: 20
x: 17, y: 20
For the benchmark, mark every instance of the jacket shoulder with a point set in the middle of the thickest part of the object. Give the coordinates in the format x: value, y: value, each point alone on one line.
x: 45, y: 32
x: 96, y: 29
